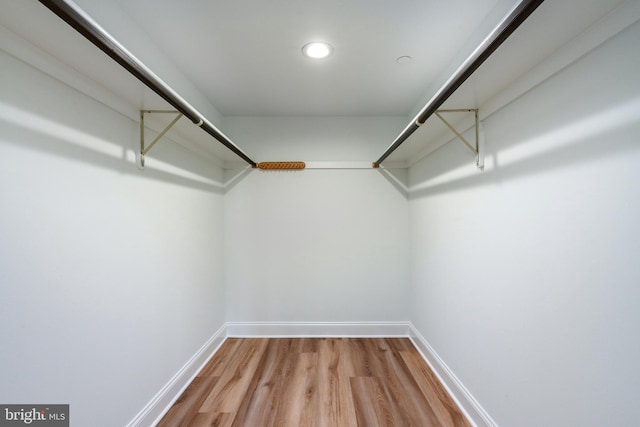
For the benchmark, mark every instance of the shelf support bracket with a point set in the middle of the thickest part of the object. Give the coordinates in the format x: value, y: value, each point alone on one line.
x: 144, y: 149
x: 478, y: 147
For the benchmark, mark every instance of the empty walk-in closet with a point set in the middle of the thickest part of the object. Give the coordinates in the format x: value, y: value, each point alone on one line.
x: 467, y: 196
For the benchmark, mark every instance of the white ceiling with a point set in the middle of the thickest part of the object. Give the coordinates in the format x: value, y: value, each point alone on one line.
x: 246, y: 55
x: 244, y: 58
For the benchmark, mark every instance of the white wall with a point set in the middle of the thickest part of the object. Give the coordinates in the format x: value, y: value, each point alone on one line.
x: 525, y: 277
x: 111, y: 278
x: 277, y: 138
x: 315, y: 245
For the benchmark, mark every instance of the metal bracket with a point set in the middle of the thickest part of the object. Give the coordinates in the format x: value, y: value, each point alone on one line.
x: 145, y: 149
x: 478, y: 149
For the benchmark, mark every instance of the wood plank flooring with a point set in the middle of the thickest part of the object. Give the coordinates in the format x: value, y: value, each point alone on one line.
x: 315, y: 382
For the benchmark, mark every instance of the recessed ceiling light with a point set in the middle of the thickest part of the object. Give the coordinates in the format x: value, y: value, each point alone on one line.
x: 317, y: 50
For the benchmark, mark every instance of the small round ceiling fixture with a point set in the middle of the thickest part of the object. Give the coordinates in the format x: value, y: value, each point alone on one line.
x: 317, y: 50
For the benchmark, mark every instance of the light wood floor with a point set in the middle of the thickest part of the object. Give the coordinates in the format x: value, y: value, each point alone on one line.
x: 320, y: 382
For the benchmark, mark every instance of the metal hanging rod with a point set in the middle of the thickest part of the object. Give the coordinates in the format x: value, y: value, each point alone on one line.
x: 499, y: 34
x: 91, y: 30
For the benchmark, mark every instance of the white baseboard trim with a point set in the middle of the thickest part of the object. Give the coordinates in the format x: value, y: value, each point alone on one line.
x: 151, y: 414
x: 317, y: 329
x: 463, y: 398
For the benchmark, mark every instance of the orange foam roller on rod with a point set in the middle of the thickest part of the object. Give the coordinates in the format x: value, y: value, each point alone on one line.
x: 281, y: 165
